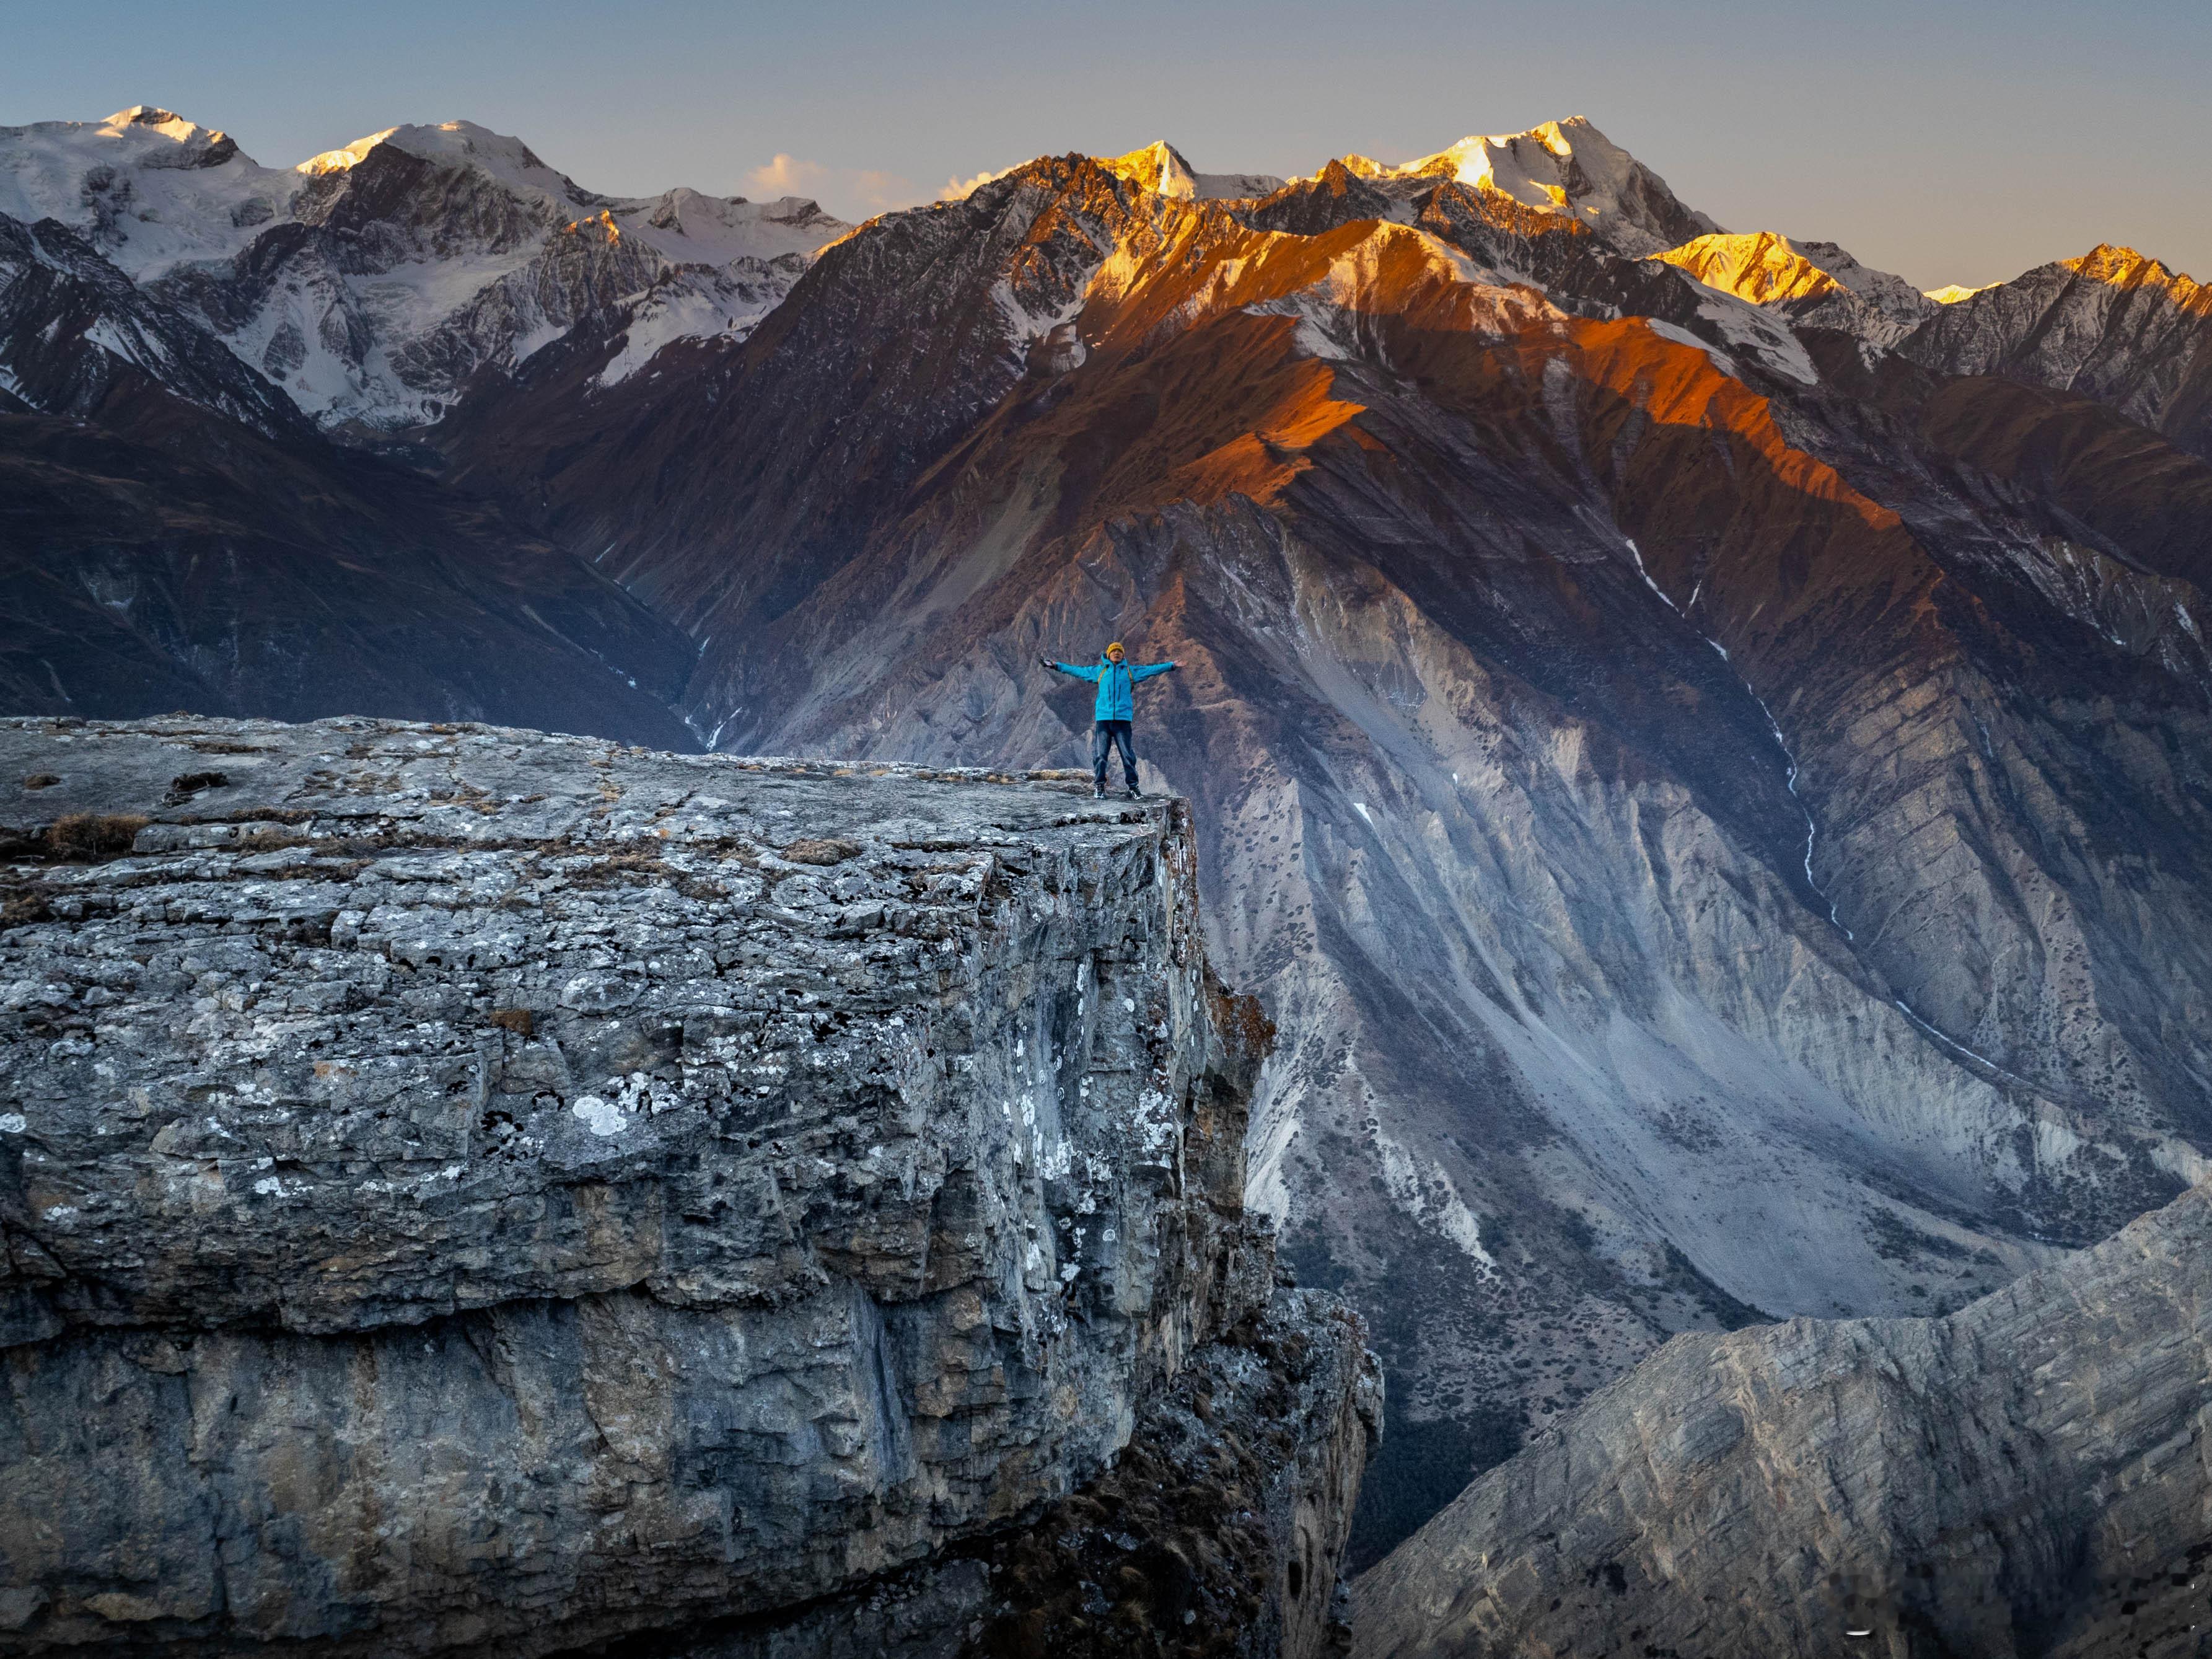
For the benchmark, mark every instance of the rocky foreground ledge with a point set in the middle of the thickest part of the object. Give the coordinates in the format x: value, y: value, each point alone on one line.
x: 466, y: 1188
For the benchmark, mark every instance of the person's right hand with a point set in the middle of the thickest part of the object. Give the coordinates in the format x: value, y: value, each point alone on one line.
x: 1044, y: 662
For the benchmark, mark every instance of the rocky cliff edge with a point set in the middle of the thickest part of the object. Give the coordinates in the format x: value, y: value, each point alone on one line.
x: 469, y: 1187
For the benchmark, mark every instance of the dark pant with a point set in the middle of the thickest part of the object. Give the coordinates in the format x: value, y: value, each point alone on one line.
x: 1115, y: 732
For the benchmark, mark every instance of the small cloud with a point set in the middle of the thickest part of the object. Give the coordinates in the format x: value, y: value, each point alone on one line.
x: 882, y: 191
x: 959, y: 190
x: 786, y: 175
x: 842, y: 189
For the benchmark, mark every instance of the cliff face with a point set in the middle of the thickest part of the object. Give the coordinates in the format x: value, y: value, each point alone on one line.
x: 465, y: 1186
x: 2026, y: 1476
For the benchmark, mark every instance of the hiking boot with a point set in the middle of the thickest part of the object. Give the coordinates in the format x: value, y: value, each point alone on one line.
x: 1135, y: 793
x: 1099, y: 792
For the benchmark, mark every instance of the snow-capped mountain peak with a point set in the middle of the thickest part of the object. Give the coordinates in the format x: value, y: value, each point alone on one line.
x: 1160, y: 167
x: 430, y: 253
x: 2113, y: 324
x: 345, y: 157
x: 1568, y: 168
x: 148, y: 188
x: 196, y: 146
x: 689, y: 228
x: 463, y: 144
x: 1815, y: 283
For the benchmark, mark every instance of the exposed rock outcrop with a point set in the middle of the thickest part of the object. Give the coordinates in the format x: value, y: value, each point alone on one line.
x: 465, y: 1188
x: 1212, y: 1538
x: 2026, y: 1476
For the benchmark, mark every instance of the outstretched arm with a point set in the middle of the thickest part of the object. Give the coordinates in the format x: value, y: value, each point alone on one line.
x: 1090, y: 674
x: 1146, y: 670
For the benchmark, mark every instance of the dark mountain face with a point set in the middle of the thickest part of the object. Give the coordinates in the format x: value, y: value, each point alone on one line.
x: 85, y: 341
x: 179, y: 535
x: 2112, y: 325
x: 1716, y: 807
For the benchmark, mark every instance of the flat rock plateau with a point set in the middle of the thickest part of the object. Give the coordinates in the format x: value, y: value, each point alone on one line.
x: 471, y: 1190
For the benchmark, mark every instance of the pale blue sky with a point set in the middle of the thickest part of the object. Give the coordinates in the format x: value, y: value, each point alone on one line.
x: 1961, y: 142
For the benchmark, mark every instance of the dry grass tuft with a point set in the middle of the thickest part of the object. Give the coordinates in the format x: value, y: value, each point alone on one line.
x: 820, y: 852
x: 86, y: 837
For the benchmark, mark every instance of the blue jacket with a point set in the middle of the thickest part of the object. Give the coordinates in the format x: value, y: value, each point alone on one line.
x: 1116, y: 682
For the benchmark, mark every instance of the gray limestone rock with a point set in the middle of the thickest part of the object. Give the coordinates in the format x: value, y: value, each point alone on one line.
x: 467, y: 1187
x: 2025, y: 1477
x: 1213, y: 1536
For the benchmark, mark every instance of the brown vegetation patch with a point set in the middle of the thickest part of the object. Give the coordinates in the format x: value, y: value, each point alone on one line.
x: 819, y: 852
x: 21, y: 906
x: 521, y: 1021
x: 643, y: 866
x: 40, y: 780
x: 86, y: 837
x: 1246, y: 1031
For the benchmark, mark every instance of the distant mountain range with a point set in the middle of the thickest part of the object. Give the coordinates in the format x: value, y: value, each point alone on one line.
x: 1701, y: 747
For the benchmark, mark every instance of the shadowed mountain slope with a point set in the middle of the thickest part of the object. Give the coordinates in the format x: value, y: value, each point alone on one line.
x: 1717, y: 811
x: 179, y: 535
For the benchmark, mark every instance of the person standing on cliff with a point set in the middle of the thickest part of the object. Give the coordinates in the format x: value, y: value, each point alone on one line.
x: 1116, y: 711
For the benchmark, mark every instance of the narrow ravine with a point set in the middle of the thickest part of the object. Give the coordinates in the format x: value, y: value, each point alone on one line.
x: 1789, y: 759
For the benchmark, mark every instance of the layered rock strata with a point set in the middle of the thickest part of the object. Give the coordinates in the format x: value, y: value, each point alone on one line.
x: 2025, y: 1477
x: 464, y: 1187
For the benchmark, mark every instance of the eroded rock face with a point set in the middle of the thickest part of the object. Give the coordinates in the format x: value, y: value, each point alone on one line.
x: 1214, y: 1535
x: 2026, y: 1476
x: 464, y: 1185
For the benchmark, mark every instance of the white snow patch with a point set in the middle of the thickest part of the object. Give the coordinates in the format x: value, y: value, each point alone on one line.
x: 1680, y: 336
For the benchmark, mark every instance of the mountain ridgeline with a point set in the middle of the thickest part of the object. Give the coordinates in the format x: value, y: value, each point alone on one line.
x: 1700, y: 747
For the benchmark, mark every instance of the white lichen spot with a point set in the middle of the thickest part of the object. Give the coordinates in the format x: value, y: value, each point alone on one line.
x: 12, y: 1123
x: 601, y: 1117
